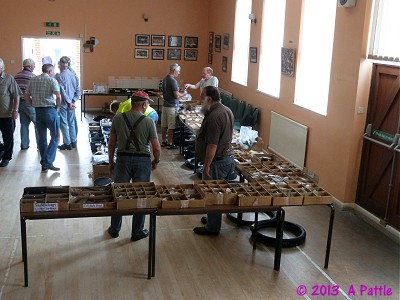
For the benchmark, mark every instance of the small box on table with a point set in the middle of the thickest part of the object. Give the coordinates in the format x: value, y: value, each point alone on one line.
x: 136, y: 195
x: 45, y: 199
x: 91, y: 197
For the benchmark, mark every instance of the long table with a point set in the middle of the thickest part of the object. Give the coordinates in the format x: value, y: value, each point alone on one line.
x: 91, y: 93
x: 24, y: 216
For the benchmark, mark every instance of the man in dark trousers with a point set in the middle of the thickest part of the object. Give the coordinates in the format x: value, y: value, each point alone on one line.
x: 214, y: 148
x: 133, y: 133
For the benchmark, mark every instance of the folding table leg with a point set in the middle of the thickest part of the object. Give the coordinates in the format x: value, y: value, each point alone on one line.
x: 279, y: 238
x: 330, y: 230
x: 24, y: 249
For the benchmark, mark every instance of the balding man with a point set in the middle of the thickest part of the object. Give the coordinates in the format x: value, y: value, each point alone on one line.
x: 207, y: 79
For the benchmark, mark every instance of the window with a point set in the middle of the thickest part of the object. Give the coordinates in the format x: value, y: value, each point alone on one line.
x: 384, y: 33
x: 240, y: 59
x: 269, y: 77
x: 315, y: 55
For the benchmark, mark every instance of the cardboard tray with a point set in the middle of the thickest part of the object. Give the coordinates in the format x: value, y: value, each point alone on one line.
x: 136, y: 195
x: 44, y: 199
x: 91, y: 197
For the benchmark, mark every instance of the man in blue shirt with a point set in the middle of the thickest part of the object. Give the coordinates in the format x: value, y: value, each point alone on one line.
x: 69, y: 88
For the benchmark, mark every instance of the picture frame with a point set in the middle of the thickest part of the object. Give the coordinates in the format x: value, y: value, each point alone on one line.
x: 174, y: 54
x: 253, y: 55
x: 142, y: 40
x: 287, y: 61
x: 174, y: 41
x: 158, y: 40
x: 210, y: 41
x: 210, y: 58
x: 191, y: 42
x: 190, y: 54
x: 141, y: 53
x: 224, y: 64
x: 157, y: 54
x: 217, y: 43
x: 225, y: 41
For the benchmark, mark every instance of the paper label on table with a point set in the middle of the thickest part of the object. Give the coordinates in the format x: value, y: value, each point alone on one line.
x: 141, y: 203
x: 184, y: 203
x: 93, y: 205
x: 40, y: 207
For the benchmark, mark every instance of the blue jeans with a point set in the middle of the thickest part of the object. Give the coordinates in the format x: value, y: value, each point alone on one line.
x: 137, y: 169
x: 27, y: 114
x: 219, y: 170
x: 7, y: 127
x: 47, y: 118
x: 68, y: 125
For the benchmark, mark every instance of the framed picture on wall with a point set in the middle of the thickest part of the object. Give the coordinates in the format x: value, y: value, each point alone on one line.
x: 141, y: 53
x: 158, y: 40
x: 210, y: 41
x: 142, y: 40
x: 191, y: 42
x: 210, y: 57
x: 217, y: 43
x: 174, y: 54
x: 224, y: 64
x: 190, y: 54
x: 226, y: 41
x: 174, y: 41
x: 287, y: 62
x: 157, y: 54
x: 253, y: 54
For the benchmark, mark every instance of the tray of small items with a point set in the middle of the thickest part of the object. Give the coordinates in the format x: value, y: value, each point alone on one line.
x: 251, y: 194
x: 45, y: 199
x: 136, y: 195
x: 91, y: 197
x: 216, y: 192
x: 180, y: 196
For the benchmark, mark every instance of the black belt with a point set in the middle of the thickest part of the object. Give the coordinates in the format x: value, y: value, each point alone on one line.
x: 221, y: 158
x: 132, y: 154
x: 46, y: 107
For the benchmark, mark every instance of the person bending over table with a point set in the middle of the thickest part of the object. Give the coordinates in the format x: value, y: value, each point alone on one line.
x: 133, y: 133
x: 207, y: 79
x: 214, y: 148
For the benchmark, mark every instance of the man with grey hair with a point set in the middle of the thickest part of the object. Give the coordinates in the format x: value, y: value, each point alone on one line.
x: 27, y: 112
x: 207, y: 79
x: 69, y: 88
x: 171, y: 96
x: 9, y: 103
x: 40, y: 93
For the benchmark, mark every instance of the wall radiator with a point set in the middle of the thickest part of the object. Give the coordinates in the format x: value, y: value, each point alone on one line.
x: 288, y: 139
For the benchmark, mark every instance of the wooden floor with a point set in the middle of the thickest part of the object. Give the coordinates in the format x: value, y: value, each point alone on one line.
x: 76, y: 259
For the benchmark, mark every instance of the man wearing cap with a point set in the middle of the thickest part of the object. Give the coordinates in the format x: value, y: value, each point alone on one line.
x: 9, y: 103
x: 69, y: 89
x: 27, y: 112
x: 132, y: 133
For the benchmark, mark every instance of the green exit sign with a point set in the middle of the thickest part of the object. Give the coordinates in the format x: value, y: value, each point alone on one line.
x: 54, y: 33
x: 52, y: 24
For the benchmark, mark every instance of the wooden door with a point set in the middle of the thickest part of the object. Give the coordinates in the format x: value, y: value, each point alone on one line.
x: 378, y: 186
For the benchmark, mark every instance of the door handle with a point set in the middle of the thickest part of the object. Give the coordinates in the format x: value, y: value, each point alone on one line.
x: 395, y: 145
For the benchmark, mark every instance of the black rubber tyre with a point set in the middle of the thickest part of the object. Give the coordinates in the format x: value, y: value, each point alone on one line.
x: 233, y: 218
x: 297, y: 230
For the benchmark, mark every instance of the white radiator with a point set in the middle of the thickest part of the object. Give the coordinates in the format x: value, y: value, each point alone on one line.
x: 221, y: 90
x: 288, y: 139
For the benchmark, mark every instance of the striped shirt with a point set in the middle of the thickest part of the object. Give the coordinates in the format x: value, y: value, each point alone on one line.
x: 23, y: 78
x: 42, y: 89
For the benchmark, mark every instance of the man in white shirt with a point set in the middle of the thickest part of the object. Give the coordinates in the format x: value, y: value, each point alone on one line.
x: 207, y: 79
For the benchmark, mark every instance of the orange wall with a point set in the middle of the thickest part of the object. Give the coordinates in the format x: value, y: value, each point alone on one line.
x: 335, y: 141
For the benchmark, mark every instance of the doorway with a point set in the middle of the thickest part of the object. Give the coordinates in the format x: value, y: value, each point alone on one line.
x: 50, y: 50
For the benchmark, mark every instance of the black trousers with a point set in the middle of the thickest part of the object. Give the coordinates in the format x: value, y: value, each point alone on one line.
x: 7, y: 127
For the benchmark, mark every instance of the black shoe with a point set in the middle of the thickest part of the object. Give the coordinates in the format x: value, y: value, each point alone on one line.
x: 204, y: 220
x: 112, y: 233
x: 204, y: 231
x: 24, y: 148
x: 51, y: 167
x: 73, y: 145
x: 144, y: 234
x: 172, y: 146
x: 44, y: 169
x: 65, y: 147
x: 4, y: 163
x: 164, y: 144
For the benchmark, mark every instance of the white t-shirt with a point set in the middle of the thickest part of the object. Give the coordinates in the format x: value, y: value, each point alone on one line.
x: 213, y: 81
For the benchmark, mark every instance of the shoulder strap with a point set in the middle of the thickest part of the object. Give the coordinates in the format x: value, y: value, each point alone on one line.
x: 132, y: 137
